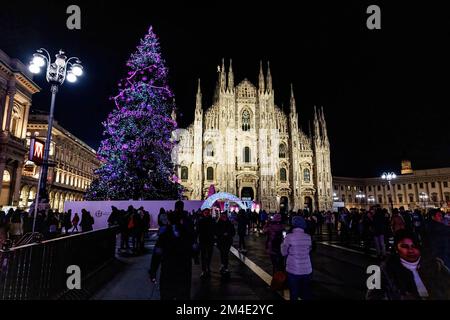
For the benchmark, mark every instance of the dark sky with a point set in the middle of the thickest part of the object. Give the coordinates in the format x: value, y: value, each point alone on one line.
x: 384, y: 92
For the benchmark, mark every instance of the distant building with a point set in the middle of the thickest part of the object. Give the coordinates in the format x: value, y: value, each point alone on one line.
x: 16, y: 90
x: 73, y: 170
x: 417, y: 189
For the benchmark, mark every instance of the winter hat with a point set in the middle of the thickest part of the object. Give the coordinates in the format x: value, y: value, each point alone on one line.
x: 298, y: 222
x: 277, y: 217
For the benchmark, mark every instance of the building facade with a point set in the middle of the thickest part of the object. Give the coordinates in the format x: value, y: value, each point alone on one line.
x: 73, y: 167
x: 16, y: 90
x: 418, y: 189
x: 246, y: 145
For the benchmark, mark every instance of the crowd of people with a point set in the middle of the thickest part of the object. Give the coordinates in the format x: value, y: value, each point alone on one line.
x: 403, y: 240
x: 15, y: 223
x: 133, y: 225
x: 413, y: 247
x: 186, y: 238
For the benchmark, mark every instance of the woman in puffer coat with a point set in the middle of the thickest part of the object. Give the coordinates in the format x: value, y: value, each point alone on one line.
x: 296, y: 247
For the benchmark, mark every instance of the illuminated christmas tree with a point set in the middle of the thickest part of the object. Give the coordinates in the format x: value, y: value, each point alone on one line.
x: 136, y: 150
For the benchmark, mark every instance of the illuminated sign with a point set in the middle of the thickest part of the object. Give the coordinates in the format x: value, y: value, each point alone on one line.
x: 36, y: 151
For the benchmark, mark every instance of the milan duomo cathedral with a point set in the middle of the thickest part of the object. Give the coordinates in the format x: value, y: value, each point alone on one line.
x: 247, y: 146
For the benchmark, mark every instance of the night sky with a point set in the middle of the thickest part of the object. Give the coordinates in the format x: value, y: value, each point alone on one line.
x: 384, y: 92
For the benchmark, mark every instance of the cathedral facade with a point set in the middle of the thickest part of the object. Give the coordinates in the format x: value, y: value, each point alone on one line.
x: 245, y: 145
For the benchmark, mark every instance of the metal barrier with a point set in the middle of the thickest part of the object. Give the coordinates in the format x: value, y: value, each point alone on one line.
x: 39, y: 271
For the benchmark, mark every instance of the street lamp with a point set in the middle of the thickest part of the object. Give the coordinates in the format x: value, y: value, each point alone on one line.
x: 58, y: 71
x: 389, y: 176
x: 423, y: 198
x: 360, y: 196
x: 335, y: 197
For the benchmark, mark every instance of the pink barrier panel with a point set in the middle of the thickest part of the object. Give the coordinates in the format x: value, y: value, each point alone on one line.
x: 101, y: 210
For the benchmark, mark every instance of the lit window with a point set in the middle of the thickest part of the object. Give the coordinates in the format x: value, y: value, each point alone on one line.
x: 6, y: 176
x: 246, y: 120
x: 306, y: 175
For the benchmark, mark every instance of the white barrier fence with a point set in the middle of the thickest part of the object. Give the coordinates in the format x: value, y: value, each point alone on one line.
x: 101, y: 210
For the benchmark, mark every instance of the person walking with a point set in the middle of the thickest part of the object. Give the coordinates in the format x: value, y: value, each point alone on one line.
x: 224, y: 233
x: 274, y: 231
x: 206, y: 234
x: 75, y: 221
x: 87, y: 221
x: 296, y: 247
x: 67, y: 221
x: 329, y: 221
x: 173, y: 251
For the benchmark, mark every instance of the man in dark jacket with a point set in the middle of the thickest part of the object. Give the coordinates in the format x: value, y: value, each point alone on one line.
x: 174, y: 252
x: 437, y: 238
x: 225, y: 233
x: 205, y: 229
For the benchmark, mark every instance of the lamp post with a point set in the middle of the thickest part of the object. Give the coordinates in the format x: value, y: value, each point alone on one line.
x: 388, y: 177
x: 361, y: 196
x: 57, y: 72
x: 423, y: 198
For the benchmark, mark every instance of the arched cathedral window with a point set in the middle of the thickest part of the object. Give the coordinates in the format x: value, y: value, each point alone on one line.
x: 306, y: 175
x: 282, y: 151
x: 247, y: 155
x: 246, y: 120
x: 209, y: 150
x: 283, y: 175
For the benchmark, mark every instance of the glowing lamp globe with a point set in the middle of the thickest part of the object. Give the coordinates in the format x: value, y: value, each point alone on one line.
x: 71, y: 77
x: 38, y: 60
x: 34, y: 68
x: 77, y: 70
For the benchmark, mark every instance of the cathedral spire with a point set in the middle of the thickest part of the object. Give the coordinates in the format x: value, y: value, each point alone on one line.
x: 293, y: 105
x: 317, y: 137
x: 230, y: 77
x: 269, y: 78
x: 223, y: 79
x: 198, y: 103
x: 324, y: 126
x: 261, y: 78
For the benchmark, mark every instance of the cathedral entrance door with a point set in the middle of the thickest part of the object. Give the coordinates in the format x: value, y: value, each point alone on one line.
x: 284, y: 205
x: 247, y: 194
x: 308, y: 204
